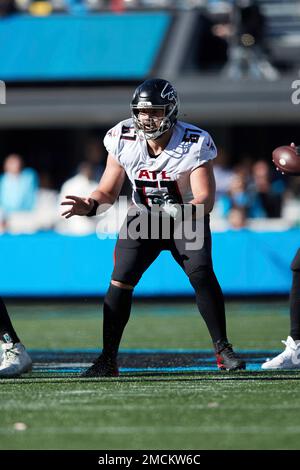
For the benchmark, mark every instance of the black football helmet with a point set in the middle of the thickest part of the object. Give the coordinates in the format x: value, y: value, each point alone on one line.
x: 154, y: 95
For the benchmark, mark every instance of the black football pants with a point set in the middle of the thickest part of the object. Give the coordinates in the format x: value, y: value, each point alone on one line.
x: 295, y: 298
x: 132, y: 259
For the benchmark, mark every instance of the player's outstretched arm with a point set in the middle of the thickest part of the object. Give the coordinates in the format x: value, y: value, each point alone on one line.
x: 203, y: 186
x: 106, y: 192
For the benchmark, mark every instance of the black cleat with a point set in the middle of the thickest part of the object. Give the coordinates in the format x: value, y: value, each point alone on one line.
x: 227, y: 359
x: 102, y: 367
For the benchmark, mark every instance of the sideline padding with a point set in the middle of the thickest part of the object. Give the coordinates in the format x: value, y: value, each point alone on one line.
x: 49, y: 264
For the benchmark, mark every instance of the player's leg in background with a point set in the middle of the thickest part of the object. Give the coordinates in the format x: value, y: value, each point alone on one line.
x: 7, y: 331
x: 295, y: 299
x: 197, y: 264
x: 14, y: 358
x: 290, y: 357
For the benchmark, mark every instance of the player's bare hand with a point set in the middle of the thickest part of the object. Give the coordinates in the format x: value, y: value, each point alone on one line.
x: 78, y: 206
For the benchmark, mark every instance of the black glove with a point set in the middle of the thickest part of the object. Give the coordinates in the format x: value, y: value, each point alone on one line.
x: 94, y: 208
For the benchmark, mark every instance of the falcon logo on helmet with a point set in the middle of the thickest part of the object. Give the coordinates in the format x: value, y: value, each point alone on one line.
x: 168, y: 92
x: 154, y: 108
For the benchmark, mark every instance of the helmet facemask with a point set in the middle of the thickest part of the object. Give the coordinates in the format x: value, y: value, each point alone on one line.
x: 160, y: 119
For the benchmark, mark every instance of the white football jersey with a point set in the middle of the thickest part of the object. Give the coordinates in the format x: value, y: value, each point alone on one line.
x: 169, y: 172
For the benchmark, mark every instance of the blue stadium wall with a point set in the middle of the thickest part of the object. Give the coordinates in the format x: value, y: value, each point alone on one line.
x: 48, y: 264
x: 81, y: 47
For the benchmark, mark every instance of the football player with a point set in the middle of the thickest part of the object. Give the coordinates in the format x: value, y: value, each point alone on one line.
x: 14, y: 359
x: 169, y: 164
x: 290, y: 357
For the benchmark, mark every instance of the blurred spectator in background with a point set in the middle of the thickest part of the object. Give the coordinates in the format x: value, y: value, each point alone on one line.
x: 117, y: 6
x: 246, y: 32
x: 18, y: 187
x: 223, y: 173
x: 251, y: 23
x: 253, y: 192
x: 237, y: 218
x: 209, y: 48
x: 245, y: 26
x: 237, y: 196
x: 268, y: 194
x: 44, y: 214
x: 95, y: 154
x: 291, y: 202
x: 7, y: 7
x: 46, y: 7
x: 82, y: 184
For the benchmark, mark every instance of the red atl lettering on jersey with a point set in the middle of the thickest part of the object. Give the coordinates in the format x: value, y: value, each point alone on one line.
x: 145, y: 174
x: 164, y: 175
x: 153, y: 173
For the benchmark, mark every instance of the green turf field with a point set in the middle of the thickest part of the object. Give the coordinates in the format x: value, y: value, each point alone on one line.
x: 205, y: 410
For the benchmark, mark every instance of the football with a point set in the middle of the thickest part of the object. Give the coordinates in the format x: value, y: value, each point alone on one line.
x: 287, y: 159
